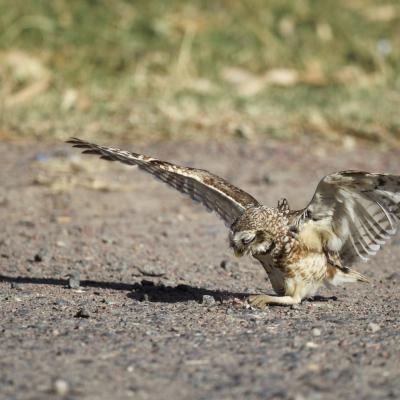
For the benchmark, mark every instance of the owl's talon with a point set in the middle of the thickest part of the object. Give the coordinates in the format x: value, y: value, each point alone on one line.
x: 262, y: 300
x: 259, y: 300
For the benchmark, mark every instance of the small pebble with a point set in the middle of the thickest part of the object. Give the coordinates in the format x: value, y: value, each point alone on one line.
x: 208, y: 300
x: 40, y: 255
x: 83, y: 313
x: 295, y: 307
x: 108, y: 240
x: 16, y: 286
x: 61, y: 387
x: 61, y: 302
x: 316, y: 332
x: 74, y: 280
x: 395, y: 276
x: 373, y: 327
x: 266, y: 179
x: 151, y: 270
x: 146, y: 297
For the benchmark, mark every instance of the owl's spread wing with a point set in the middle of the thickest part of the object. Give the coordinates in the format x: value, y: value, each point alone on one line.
x: 214, y: 192
x: 358, y: 211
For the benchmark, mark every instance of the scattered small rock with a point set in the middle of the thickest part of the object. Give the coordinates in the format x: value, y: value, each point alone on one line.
x: 316, y: 332
x: 74, y: 280
x: 61, y: 387
x: 266, y: 179
x: 208, y: 300
x: 146, y: 297
x: 237, y: 302
x: 295, y: 307
x: 227, y: 265
x: 61, y: 302
x: 311, y: 345
x: 108, y: 302
x: 394, y: 277
x: 40, y: 255
x: 108, y: 240
x: 83, y: 313
x: 151, y: 270
x: 373, y: 327
x: 168, y: 283
x: 16, y: 286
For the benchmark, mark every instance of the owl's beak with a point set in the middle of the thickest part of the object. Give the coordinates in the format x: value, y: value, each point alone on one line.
x: 238, y: 253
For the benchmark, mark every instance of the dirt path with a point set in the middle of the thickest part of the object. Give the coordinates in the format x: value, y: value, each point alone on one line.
x: 183, y: 333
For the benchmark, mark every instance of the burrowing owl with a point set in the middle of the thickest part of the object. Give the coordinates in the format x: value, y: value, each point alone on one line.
x: 351, y: 215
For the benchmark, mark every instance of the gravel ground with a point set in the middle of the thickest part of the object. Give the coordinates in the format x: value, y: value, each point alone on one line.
x: 113, y: 286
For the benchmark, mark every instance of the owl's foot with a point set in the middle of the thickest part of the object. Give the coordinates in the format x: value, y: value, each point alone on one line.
x: 262, y: 300
x: 259, y: 300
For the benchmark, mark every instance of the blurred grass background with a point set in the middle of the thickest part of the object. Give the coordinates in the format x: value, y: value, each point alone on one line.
x: 160, y: 69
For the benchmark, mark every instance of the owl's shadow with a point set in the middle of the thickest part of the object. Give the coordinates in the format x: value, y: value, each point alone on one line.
x: 148, y: 291
x: 141, y: 291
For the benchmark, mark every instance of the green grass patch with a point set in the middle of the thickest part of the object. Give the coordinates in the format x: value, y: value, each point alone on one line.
x: 158, y: 69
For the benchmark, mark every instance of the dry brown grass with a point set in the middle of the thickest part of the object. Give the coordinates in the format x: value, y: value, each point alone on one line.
x: 154, y: 69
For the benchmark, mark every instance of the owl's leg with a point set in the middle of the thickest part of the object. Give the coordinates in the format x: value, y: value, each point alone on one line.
x: 262, y: 300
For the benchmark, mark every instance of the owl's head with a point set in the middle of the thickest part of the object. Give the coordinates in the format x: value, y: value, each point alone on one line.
x: 259, y: 230
x: 251, y: 242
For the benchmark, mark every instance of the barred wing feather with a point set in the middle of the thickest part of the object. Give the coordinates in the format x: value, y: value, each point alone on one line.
x: 360, y: 209
x: 215, y: 193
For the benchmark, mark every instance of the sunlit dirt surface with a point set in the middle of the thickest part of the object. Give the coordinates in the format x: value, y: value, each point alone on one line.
x: 127, y: 333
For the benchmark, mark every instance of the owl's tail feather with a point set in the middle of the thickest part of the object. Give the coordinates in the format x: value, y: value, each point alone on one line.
x: 357, y: 276
x: 337, y: 276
